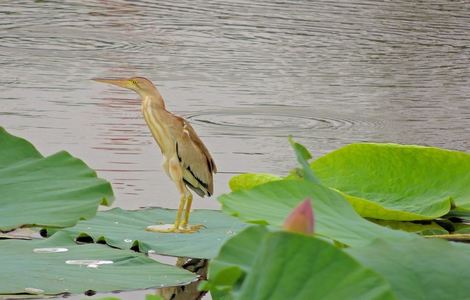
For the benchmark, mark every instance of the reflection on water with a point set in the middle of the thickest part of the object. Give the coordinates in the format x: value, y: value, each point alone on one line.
x: 245, y: 73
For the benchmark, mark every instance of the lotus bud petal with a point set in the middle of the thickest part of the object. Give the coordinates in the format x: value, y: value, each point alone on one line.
x: 300, y: 220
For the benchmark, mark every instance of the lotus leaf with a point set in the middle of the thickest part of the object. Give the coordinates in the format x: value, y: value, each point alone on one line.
x: 57, y: 190
x: 250, y: 180
x: 398, y: 182
x: 58, y: 265
x: 303, y: 156
x: 282, y: 265
x: 432, y: 226
x: 270, y: 203
x: 462, y: 228
x: 126, y: 229
x: 420, y: 268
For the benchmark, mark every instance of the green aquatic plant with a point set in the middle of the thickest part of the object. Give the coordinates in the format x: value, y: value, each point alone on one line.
x: 250, y: 180
x: 390, y: 181
x: 270, y: 203
x: 264, y: 262
x: 256, y: 253
x: 56, y: 190
x: 125, y: 229
x: 419, y: 268
x: 398, y: 182
x: 58, y: 265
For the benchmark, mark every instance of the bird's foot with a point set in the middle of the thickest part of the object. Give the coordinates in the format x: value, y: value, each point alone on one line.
x: 170, y: 228
x: 191, y: 228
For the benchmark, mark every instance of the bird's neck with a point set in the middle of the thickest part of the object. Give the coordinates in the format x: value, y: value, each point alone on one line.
x: 154, y: 98
x: 153, y: 109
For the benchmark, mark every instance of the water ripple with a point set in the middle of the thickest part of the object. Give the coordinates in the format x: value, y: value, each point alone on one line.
x: 287, y: 120
x: 246, y: 73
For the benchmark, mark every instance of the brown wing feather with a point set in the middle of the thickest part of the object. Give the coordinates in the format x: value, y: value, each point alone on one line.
x: 194, y: 157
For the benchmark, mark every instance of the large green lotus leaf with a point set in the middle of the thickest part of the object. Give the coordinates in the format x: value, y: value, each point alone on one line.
x: 282, y: 265
x: 250, y: 180
x: 126, y: 229
x: 234, y: 261
x: 57, y: 190
x: 420, y: 268
x: 398, y: 182
x: 58, y: 265
x: 431, y: 227
x: 270, y: 203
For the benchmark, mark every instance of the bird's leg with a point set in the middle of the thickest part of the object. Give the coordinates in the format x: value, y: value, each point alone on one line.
x: 182, y: 204
x: 176, y: 174
x: 187, y: 210
x: 177, y: 226
x: 182, y: 217
x: 184, y: 225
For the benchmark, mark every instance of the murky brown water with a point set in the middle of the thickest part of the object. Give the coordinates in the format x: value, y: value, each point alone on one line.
x: 245, y: 73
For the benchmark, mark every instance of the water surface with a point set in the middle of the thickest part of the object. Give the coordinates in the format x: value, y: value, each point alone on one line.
x: 245, y: 73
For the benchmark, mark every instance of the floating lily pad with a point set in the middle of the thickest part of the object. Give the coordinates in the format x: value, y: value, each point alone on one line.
x: 258, y: 264
x: 57, y: 190
x: 58, y: 265
x: 420, y: 268
x: 398, y: 182
x: 126, y: 229
x: 270, y: 203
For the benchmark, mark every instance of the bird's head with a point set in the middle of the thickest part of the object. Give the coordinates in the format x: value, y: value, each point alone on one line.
x: 140, y: 85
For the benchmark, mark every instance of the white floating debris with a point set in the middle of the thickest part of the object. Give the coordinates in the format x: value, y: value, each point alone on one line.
x: 161, y: 228
x: 151, y: 252
x: 34, y: 291
x: 50, y: 250
x: 128, y: 241
x: 89, y: 262
x: 93, y: 266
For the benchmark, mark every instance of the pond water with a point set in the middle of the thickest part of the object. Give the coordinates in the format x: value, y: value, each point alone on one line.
x: 245, y: 73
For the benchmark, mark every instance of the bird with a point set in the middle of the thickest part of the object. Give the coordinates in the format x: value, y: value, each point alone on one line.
x: 186, y: 160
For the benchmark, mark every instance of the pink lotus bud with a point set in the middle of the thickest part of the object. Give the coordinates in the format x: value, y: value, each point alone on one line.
x: 300, y: 220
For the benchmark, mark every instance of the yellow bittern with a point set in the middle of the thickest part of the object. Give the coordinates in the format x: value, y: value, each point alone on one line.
x: 186, y: 159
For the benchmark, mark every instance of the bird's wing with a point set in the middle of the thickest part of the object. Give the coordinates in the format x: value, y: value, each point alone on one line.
x: 194, y: 157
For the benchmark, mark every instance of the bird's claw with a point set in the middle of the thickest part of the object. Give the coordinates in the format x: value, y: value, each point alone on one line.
x: 191, y: 228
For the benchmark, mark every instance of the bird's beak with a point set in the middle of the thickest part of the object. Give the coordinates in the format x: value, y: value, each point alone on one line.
x: 122, y: 82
